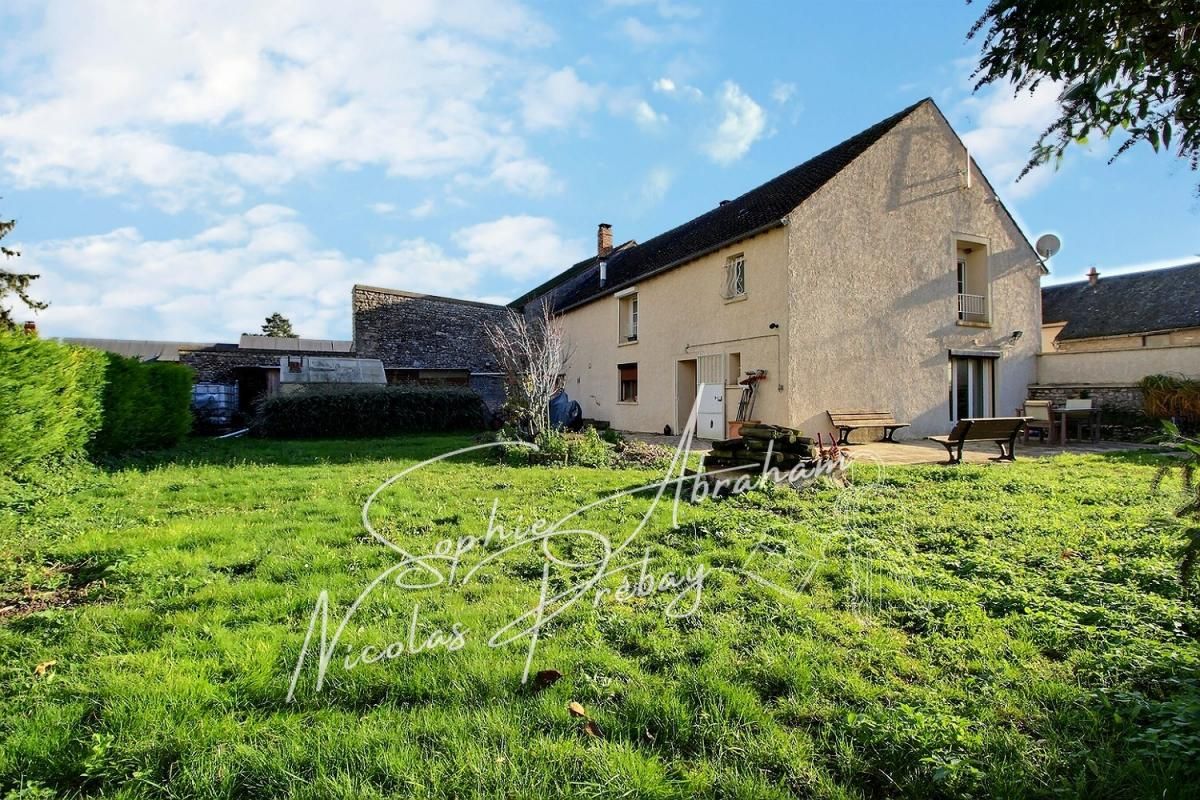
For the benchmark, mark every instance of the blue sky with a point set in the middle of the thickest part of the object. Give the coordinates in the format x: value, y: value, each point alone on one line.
x: 182, y: 170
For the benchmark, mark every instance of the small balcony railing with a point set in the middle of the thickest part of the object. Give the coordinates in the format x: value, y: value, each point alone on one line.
x: 972, y: 308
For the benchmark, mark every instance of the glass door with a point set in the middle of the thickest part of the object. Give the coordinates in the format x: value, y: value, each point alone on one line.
x: 971, y: 387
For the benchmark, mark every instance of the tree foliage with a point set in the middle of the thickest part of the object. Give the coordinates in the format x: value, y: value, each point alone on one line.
x: 14, y: 283
x: 278, y: 325
x: 1128, y: 67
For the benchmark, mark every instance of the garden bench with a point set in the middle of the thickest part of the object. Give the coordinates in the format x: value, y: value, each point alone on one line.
x: 849, y: 421
x: 1001, y: 430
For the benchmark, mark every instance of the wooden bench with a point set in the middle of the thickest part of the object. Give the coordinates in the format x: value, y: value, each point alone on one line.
x: 849, y: 421
x: 1001, y: 430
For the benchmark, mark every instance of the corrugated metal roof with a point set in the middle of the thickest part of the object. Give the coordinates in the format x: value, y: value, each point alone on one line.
x: 144, y: 349
x: 250, y: 341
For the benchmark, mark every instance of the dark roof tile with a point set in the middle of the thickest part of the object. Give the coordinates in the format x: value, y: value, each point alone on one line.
x: 1141, y: 302
x: 756, y: 210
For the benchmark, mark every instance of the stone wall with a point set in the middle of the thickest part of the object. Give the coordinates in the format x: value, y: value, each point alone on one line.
x: 1125, y: 397
x: 491, y: 389
x: 219, y: 365
x: 413, y: 331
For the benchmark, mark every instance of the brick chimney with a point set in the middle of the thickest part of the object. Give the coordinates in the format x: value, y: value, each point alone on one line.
x: 603, y: 240
x: 31, y: 327
x: 1093, y: 276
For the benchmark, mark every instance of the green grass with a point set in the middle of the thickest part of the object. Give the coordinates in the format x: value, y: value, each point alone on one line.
x: 1010, y: 631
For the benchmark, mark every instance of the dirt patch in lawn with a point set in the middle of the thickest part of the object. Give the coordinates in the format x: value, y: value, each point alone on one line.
x: 60, y: 586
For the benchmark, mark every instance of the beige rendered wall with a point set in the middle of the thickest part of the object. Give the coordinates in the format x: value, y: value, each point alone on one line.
x: 872, y: 297
x: 683, y: 314
x: 1117, y: 366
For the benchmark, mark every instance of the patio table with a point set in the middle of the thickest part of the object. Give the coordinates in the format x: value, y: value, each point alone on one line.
x: 1092, y: 414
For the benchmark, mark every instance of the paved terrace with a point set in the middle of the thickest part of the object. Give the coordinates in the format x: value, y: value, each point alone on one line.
x: 923, y: 452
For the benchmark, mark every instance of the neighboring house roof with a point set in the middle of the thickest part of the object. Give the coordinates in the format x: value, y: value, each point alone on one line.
x: 406, y: 330
x: 1120, y: 305
x: 755, y: 211
x: 149, y: 350
x: 252, y: 341
x: 143, y: 349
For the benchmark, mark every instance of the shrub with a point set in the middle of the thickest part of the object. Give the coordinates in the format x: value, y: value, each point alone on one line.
x: 147, y: 405
x: 1172, y: 397
x: 50, y: 399
x: 374, y: 411
x: 589, y: 450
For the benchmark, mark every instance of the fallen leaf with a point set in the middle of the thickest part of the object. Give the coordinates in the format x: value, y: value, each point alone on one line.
x: 44, y: 667
x: 591, y: 729
x: 545, y: 679
x: 576, y: 709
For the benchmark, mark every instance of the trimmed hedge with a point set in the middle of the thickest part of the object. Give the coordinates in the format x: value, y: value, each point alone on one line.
x: 147, y: 405
x: 375, y: 411
x: 50, y: 399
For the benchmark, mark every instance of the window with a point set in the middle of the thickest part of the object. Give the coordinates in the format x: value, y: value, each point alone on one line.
x: 973, y: 283
x: 735, y: 369
x: 627, y: 321
x: 627, y: 374
x: 735, y: 277
x: 971, y: 387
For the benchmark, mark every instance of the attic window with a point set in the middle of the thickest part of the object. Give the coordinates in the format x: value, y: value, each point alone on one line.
x: 735, y: 277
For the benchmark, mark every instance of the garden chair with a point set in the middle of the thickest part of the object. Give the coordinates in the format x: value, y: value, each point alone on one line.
x: 1038, y: 417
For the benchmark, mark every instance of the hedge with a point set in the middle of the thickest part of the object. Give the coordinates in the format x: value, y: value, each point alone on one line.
x: 50, y: 399
x: 147, y: 405
x: 376, y: 411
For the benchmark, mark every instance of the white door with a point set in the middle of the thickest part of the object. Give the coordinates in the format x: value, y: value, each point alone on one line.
x: 710, y: 386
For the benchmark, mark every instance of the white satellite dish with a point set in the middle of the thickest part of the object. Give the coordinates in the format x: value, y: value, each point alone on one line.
x: 1047, y: 245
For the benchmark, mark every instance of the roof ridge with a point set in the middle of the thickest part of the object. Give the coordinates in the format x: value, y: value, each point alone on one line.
x: 752, y: 212
x: 1111, y: 278
x: 424, y: 296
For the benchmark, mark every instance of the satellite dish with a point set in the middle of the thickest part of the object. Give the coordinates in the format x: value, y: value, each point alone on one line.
x: 1047, y: 245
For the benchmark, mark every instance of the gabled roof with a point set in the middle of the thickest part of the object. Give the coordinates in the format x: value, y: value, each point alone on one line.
x: 756, y: 211
x: 1141, y: 302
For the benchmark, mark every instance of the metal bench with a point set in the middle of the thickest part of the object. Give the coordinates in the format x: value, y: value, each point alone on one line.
x: 1001, y: 430
x: 849, y: 421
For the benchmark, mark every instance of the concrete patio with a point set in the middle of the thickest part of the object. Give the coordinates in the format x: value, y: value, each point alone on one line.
x: 918, y: 451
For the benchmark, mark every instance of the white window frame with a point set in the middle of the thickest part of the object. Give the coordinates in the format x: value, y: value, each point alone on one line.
x: 735, y: 277
x: 627, y: 330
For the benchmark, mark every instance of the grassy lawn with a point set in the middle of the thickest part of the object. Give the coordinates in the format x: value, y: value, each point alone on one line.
x: 975, y: 631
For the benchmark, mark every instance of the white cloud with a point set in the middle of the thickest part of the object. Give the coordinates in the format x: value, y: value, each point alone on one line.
x: 640, y: 34
x: 557, y: 99
x: 119, y: 104
x: 742, y: 122
x: 422, y: 209
x: 383, y: 209
x: 670, y: 87
x: 654, y: 188
x: 519, y: 247
x: 782, y: 92
x: 646, y: 117
x: 226, y: 279
x: 665, y: 8
x: 1005, y: 127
